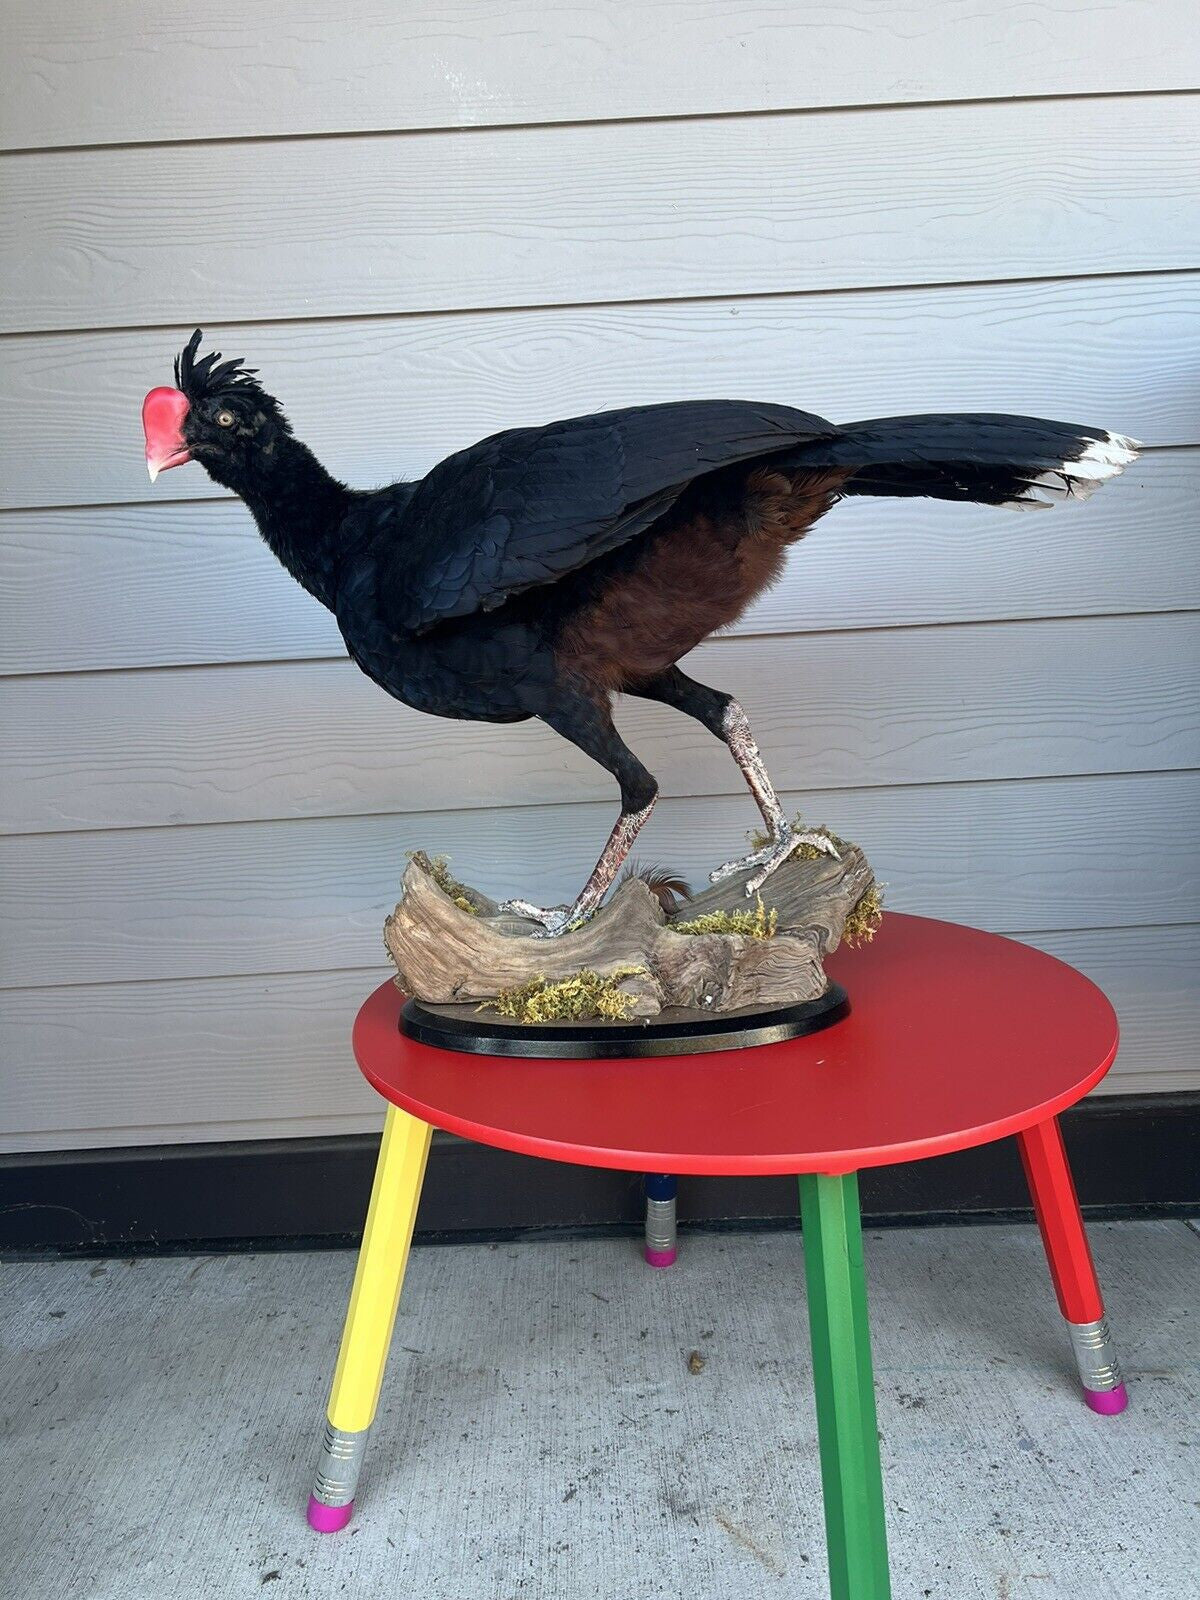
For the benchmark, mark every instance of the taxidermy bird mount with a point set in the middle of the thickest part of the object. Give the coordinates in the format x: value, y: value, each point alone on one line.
x: 545, y: 570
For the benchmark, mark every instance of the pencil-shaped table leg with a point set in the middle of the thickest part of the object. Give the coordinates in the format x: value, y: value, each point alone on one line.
x: 660, y: 1218
x: 1048, y: 1172
x: 367, y: 1334
x: 851, y: 1476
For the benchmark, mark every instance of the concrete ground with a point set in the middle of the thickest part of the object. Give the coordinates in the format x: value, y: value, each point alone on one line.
x: 547, y: 1431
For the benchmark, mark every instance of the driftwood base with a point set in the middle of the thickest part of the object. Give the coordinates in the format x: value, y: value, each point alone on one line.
x: 453, y: 946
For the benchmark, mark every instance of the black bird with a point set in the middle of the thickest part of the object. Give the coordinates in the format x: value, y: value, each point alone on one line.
x: 544, y: 570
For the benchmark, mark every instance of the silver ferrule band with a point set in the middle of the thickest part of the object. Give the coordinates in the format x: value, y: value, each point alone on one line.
x: 338, y: 1467
x: 1099, y: 1368
x: 660, y: 1224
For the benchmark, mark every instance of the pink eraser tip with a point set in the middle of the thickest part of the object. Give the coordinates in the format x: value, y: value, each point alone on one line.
x: 328, y: 1519
x: 659, y: 1258
x: 1107, y: 1401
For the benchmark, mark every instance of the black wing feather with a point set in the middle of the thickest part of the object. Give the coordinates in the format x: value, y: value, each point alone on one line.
x: 528, y: 506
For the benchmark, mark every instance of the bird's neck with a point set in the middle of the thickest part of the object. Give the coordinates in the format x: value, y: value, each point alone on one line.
x: 299, y: 509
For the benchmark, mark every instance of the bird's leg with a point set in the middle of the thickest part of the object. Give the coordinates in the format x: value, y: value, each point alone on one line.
x: 589, y: 725
x: 563, y: 920
x: 722, y: 715
x: 735, y: 730
x: 782, y: 838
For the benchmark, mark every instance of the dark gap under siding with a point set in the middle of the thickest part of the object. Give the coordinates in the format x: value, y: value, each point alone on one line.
x: 1133, y: 1155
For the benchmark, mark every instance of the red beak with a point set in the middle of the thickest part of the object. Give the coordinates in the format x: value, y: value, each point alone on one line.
x: 163, y: 411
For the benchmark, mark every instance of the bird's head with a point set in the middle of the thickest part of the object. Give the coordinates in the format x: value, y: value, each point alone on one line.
x: 217, y: 413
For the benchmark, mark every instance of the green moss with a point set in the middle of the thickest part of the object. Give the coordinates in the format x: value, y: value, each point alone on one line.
x: 805, y: 852
x: 580, y: 998
x: 809, y: 852
x: 759, y: 923
x: 865, y: 918
x: 439, y: 870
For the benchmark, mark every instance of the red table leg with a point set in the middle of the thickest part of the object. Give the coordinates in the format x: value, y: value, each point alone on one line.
x: 1071, y: 1267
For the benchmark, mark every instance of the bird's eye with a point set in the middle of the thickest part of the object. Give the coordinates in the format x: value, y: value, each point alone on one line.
x: 225, y: 419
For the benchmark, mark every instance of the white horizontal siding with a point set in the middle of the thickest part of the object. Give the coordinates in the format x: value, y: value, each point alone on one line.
x: 302, y: 896
x: 114, y: 73
x: 911, y: 705
x: 1149, y: 974
x: 1123, y: 352
x: 546, y: 216
x: 207, y: 808
x: 218, y: 1058
x: 188, y: 583
x: 269, y: 1057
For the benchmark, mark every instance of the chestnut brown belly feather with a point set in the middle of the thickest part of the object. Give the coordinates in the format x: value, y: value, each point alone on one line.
x: 693, y: 574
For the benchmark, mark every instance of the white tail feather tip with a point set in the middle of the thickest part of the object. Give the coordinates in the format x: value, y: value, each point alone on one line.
x: 1104, y: 458
x: 1076, y: 480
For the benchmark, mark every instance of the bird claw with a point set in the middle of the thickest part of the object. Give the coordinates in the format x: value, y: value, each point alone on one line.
x: 740, y: 865
x: 773, y: 855
x: 554, y: 922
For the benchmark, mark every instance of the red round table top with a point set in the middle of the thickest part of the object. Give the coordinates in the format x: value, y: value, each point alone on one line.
x: 954, y: 1038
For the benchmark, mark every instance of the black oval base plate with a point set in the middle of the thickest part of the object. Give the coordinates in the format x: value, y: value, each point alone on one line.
x: 677, y: 1032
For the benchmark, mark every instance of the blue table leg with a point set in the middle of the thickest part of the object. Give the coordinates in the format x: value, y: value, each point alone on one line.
x: 660, y: 1219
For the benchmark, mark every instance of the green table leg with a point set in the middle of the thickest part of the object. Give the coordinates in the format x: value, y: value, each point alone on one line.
x: 837, y: 1311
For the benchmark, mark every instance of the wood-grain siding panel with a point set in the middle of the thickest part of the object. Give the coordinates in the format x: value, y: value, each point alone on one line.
x: 382, y: 398
x: 521, y: 217
x: 284, y: 896
x: 188, y: 584
x: 912, y: 705
x: 1149, y: 974
x: 254, y: 1058
x: 116, y: 73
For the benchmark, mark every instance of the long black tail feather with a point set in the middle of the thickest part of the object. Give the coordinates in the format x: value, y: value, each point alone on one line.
x: 1023, y: 463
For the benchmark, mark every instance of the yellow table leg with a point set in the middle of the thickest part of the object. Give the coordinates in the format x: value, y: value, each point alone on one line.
x: 367, y: 1335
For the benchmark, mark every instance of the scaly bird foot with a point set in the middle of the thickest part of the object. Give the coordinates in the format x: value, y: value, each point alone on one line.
x: 773, y: 855
x: 554, y: 922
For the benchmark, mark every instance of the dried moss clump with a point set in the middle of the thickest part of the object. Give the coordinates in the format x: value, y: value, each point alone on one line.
x: 759, y: 923
x: 439, y: 871
x: 864, y: 920
x: 805, y: 852
x: 809, y: 852
x: 577, y: 999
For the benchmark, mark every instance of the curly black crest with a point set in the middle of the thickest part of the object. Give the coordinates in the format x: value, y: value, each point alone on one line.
x: 209, y: 376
